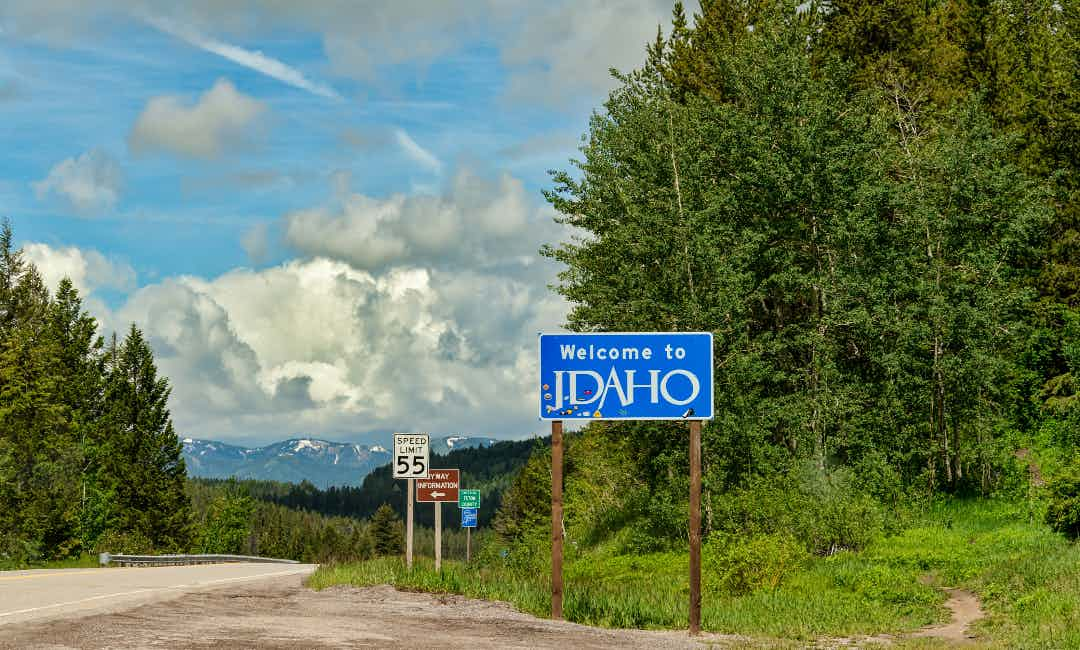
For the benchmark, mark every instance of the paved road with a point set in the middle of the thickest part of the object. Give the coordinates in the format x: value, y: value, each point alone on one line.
x: 27, y: 596
x: 281, y: 614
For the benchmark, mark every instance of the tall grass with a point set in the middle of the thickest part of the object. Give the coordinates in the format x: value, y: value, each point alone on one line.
x: 82, y: 562
x: 1028, y: 578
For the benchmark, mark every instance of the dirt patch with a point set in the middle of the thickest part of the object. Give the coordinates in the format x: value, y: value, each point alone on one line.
x: 1033, y: 469
x: 280, y: 613
x: 965, y: 608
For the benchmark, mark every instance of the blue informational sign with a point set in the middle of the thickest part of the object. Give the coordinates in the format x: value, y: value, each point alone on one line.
x: 626, y: 376
x: 468, y: 517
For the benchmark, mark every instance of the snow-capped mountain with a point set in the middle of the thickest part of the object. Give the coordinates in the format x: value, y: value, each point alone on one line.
x: 322, y: 462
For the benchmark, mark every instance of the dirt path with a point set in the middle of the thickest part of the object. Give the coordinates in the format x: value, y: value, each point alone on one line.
x: 965, y: 608
x: 280, y: 613
x: 1033, y: 468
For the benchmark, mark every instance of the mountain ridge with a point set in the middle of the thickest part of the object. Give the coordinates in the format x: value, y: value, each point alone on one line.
x: 322, y: 462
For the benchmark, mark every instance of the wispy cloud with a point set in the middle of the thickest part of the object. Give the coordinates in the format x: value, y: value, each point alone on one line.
x: 248, y: 58
x: 417, y: 153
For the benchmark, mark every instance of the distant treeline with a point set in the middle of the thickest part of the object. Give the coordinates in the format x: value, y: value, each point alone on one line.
x: 488, y: 469
x: 229, y: 518
x: 88, y: 455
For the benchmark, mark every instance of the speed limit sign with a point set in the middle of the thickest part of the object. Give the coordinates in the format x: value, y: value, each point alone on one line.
x: 411, y: 455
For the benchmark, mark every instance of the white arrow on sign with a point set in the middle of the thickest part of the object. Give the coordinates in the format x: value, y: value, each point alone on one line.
x: 438, y: 494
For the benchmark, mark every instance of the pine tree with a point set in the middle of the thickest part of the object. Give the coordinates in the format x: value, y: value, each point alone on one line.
x: 386, y: 530
x: 142, y: 456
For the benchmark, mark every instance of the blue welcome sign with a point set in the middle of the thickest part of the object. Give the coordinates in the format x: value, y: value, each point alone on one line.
x: 626, y: 376
x: 468, y: 517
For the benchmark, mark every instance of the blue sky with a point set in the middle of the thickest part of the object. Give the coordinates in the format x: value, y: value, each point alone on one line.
x: 325, y: 217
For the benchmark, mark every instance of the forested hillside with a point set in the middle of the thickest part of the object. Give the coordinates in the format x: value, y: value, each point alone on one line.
x: 88, y: 454
x: 873, y: 207
x: 488, y: 469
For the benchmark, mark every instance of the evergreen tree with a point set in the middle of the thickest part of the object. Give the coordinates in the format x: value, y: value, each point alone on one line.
x: 141, y: 458
x: 526, y: 505
x: 387, y: 531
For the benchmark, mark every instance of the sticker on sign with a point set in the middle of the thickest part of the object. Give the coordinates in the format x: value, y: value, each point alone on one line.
x: 412, y: 453
x: 440, y: 485
x: 626, y: 376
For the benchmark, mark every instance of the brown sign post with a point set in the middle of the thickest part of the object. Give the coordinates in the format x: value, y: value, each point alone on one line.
x: 556, y: 520
x: 440, y: 485
x: 695, y: 527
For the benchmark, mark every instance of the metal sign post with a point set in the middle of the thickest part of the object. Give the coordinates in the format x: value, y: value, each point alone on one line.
x: 412, y: 455
x: 626, y: 376
x: 469, y: 502
x: 468, y: 522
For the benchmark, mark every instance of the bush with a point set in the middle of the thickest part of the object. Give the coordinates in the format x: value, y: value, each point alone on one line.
x: 745, y: 566
x: 16, y: 551
x: 1063, y: 508
x: 387, y: 531
x: 124, y: 543
x: 825, y: 512
x: 228, y: 524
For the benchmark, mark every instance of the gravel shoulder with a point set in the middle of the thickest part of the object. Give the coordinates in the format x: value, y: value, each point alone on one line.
x: 281, y: 613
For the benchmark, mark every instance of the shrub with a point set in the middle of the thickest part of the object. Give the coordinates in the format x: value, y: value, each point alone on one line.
x: 744, y: 566
x: 1063, y: 508
x: 823, y: 511
x: 386, y: 531
x: 124, y: 543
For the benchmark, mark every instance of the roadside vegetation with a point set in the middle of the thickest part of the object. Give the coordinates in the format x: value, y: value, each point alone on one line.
x: 875, y: 209
x: 1027, y: 577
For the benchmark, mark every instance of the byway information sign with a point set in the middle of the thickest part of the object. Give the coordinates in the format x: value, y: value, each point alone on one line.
x: 626, y: 376
x: 440, y: 485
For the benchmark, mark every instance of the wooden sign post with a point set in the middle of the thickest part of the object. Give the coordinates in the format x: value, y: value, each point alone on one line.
x: 695, y: 527
x: 409, y: 525
x: 556, y: 520
x: 440, y: 485
x: 438, y: 536
x: 412, y: 455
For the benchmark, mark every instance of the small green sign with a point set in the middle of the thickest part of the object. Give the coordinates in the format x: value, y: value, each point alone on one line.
x: 468, y: 499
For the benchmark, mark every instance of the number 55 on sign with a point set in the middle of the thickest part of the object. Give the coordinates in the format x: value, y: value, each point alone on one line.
x: 411, y: 455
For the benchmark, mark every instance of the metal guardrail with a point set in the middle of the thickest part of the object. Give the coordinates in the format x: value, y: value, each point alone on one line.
x: 105, y: 559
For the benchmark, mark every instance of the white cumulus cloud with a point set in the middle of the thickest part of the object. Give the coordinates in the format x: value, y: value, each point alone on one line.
x: 90, y: 183
x: 317, y: 345
x: 222, y: 117
x: 476, y: 223
x: 87, y: 269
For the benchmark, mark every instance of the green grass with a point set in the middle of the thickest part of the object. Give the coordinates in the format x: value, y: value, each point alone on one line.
x: 81, y: 562
x: 1028, y: 578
